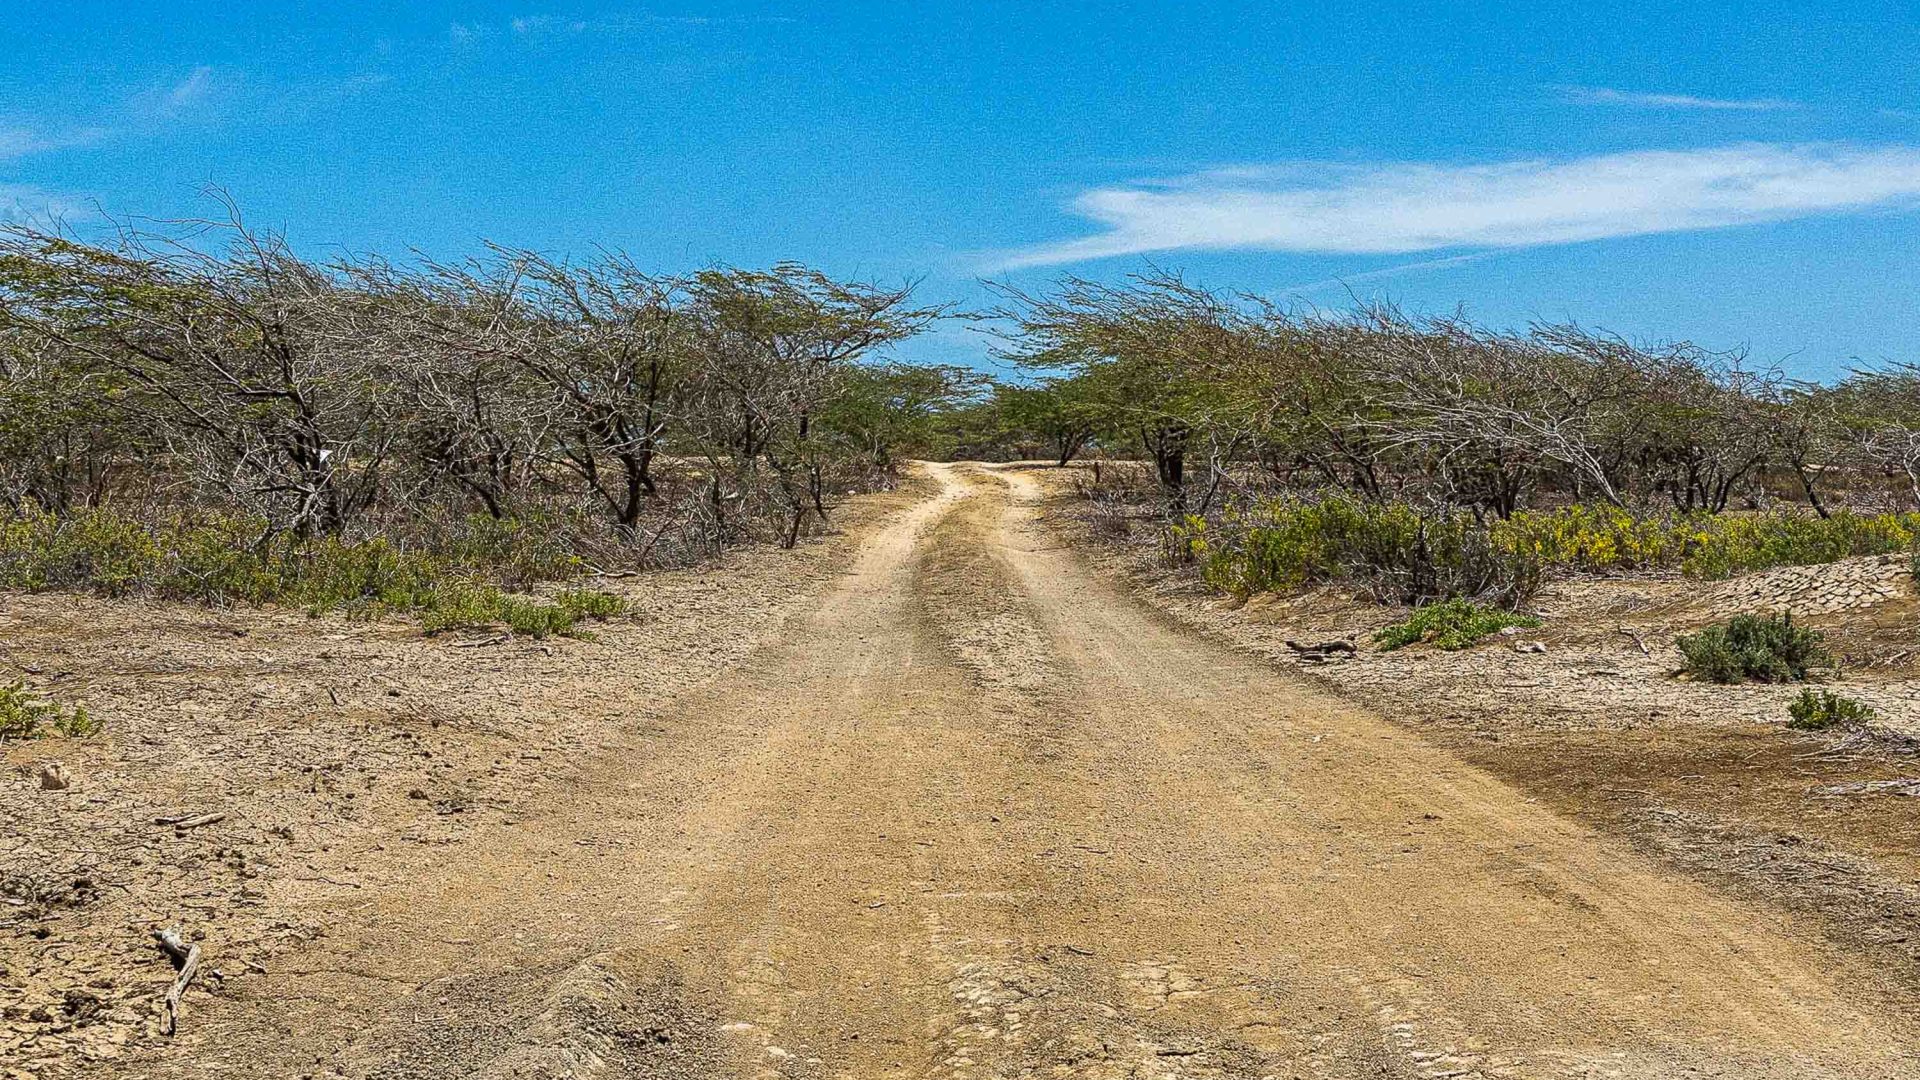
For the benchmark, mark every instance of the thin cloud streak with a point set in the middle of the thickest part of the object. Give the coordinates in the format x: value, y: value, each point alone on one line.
x: 1388, y: 272
x: 1602, y: 95
x: 547, y: 26
x: 188, y: 91
x: 177, y: 99
x: 1407, y: 207
x: 24, y: 204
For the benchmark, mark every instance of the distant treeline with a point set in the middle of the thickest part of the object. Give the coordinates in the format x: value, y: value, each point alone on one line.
x: 1219, y: 391
x: 682, y: 414
x: 667, y: 417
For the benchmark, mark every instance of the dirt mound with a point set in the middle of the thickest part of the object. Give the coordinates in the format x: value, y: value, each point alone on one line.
x: 582, y: 1020
x: 1847, y: 585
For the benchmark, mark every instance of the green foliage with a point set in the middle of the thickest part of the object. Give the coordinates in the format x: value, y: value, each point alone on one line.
x: 1396, y: 552
x: 23, y: 716
x: 1767, y: 648
x: 1409, y: 555
x: 1451, y: 624
x: 466, y: 605
x: 1595, y: 538
x: 590, y: 603
x: 1060, y: 416
x: 464, y: 581
x: 1714, y: 547
x: 1818, y: 710
x: 1730, y: 544
x: 886, y: 410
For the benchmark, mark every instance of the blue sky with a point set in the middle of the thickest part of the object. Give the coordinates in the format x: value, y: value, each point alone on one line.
x: 1734, y: 174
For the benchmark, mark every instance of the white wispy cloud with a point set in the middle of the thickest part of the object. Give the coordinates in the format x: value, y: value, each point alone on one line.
x: 19, y: 142
x: 1602, y: 95
x: 189, y: 91
x: 23, y: 140
x: 1385, y: 272
x: 176, y: 98
x: 180, y: 98
x: 1403, y: 207
x: 528, y: 25
x: 24, y: 204
x: 533, y: 27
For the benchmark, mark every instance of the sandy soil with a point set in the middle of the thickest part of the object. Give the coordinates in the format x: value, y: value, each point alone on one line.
x: 960, y: 807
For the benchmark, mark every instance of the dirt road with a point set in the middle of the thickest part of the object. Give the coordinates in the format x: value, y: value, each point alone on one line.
x: 979, y: 814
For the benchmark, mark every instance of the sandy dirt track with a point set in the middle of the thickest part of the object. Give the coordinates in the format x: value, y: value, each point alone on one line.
x: 979, y: 814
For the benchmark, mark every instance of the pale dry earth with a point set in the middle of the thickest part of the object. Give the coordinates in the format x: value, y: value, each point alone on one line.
x: 1592, y: 714
x: 966, y: 808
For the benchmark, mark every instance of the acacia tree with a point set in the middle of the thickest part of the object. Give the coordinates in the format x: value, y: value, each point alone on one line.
x: 1802, y: 430
x: 1701, y: 437
x: 771, y: 349
x: 250, y: 363
x: 1146, y: 353
x: 609, y: 346
x: 883, y: 409
x: 1062, y: 414
x: 1878, y: 417
x: 475, y: 421
x: 64, y: 432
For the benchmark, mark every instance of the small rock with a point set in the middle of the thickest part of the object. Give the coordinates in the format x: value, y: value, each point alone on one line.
x: 55, y: 777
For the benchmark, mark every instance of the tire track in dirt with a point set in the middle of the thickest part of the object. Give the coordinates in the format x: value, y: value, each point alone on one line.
x: 1481, y: 932
x: 1081, y: 843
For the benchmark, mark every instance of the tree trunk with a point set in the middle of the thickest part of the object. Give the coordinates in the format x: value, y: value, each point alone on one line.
x: 1806, y: 485
x: 1168, y: 445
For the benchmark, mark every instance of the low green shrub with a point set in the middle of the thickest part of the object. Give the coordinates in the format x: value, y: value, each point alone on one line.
x: 1819, y: 710
x: 24, y: 716
x: 1595, y: 538
x: 1451, y: 624
x: 1403, y: 554
x: 591, y: 603
x: 463, y: 579
x: 1765, y: 648
x: 1396, y: 553
x: 1732, y: 544
x: 483, y: 606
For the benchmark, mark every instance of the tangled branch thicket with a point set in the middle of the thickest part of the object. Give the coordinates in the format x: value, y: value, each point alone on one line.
x: 205, y: 413
x: 1426, y: 458
x: 208, y: 415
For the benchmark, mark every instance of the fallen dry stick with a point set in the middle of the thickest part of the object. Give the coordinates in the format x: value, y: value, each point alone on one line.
x: 191, y: 822
x: 187, y: 959
x: 1336, y: 645
x: 1637, y: 640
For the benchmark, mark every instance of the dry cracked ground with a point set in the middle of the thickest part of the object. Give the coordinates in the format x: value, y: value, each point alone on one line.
x: 937, y: 797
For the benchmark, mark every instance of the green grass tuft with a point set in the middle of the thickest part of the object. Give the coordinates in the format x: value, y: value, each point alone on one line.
x: 23, y: 716
x: 470, y: 577
x: 1451, y: 624
x: 1819, y: 710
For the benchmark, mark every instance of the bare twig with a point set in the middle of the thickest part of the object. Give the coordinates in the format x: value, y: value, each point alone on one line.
x: 1637, y: 640
x: 191, y: 821
x: 186, y: 959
